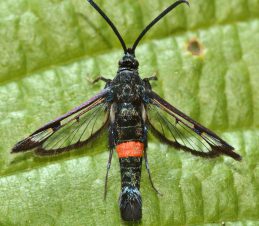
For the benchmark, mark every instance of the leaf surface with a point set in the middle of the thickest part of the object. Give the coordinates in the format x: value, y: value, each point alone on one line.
x: 50, y: 50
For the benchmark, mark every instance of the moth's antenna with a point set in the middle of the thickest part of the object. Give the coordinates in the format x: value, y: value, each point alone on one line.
x: 110, y: 23
x: 153, y: 22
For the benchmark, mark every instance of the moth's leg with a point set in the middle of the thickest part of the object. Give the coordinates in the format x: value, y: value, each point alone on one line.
x: 152, y: 77
x: 101, y: 78
x: 149, y: 174
x: 107, y: 172
x: 147, y: 81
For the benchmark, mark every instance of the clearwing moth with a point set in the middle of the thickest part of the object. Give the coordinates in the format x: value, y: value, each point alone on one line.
x: 128, y: 109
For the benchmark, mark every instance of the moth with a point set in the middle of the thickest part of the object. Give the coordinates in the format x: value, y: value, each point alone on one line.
x: 128, y: 109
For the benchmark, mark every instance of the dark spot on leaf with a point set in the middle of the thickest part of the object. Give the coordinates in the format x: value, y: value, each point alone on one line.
x: 194, y: 47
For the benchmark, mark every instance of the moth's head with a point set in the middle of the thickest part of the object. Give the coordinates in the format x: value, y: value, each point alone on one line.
x: 128, y: 61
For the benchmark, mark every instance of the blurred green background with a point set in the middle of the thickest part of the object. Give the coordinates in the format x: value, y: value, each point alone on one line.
x: 50, y: 50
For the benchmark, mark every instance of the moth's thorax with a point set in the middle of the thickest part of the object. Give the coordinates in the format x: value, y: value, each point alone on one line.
x: 128, y: 86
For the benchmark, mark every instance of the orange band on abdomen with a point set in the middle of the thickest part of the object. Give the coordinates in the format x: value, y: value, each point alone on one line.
x: 130, y: 149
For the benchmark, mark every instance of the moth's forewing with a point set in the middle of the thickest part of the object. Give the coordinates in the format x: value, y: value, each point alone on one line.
x: 175, y: 128
x: 71, y: 130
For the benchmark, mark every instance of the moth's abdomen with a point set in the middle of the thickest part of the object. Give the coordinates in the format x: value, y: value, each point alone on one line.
x: 128, y: 137
x: 130, y: 149
x: 130, y: 198
x: 130, y: 204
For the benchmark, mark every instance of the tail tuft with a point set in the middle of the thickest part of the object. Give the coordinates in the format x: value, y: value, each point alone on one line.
x: 130, y: 204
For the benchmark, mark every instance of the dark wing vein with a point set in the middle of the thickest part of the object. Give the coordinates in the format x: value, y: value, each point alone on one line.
x: 177, y: 133
x: 78, y: 133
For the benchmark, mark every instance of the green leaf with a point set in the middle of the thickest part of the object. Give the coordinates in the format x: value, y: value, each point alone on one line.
x: 49, y: 52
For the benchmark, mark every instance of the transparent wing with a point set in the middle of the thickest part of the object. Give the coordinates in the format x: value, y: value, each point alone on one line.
x: 175, y: 128
x: 72, y: 130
